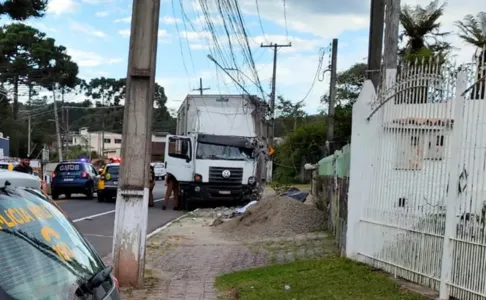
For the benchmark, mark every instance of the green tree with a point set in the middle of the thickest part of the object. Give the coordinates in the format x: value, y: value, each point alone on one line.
x: 348, y: 84
x: 473, y: 31
x: 106, y: 91
x: 304, y: 145
x: 421, y: 29
x: 23, y: 9
x: 287, y: 111
x: 17, y: 42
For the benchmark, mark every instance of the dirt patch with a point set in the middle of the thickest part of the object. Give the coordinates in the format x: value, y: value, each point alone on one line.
x: 274, y: 217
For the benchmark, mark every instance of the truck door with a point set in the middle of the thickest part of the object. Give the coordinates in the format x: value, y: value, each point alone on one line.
x: 179, y: 157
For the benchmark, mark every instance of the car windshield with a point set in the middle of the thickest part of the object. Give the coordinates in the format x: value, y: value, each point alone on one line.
x: 69, y: 169
x: 222, y: 152
x: 113, y: 170
x: 42, y: 254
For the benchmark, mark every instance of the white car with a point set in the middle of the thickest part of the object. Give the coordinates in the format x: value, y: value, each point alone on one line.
x: 159, y: 169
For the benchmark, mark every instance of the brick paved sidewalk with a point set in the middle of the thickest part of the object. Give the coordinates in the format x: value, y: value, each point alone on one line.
x: 183, y: 260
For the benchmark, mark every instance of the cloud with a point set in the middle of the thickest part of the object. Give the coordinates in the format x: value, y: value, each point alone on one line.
x: 195, y: 35
x: 96, y: 2
x: 59, y: 7
x: 170, y: 20
x: 102, y: 14
x: 124, y: 32
x: 87, y: 29
x: 124, y: 20
x: 91, y: 59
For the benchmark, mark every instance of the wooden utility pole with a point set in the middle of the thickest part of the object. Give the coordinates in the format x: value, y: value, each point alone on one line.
x: 392, y: 22
x: 377, y: 16
x: 332, y: 98
x: 133, y: 192
x: 201, y: 89
x: 274, y: 80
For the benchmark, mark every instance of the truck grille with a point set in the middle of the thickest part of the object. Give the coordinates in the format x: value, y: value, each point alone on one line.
x: 216, y: 175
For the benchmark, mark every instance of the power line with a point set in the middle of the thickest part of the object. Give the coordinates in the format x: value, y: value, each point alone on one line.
x: 260, y: 21
x: 285, y: 18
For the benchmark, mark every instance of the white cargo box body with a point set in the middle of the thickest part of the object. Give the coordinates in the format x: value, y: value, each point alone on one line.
x: 228, y: 115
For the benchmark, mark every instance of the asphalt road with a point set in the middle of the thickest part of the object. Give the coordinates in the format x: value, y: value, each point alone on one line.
x: 96, y: 220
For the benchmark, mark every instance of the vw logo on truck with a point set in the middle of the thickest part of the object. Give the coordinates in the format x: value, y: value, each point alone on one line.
x: 226, y: 174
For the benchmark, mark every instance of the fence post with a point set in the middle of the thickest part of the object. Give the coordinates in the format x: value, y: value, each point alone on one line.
x: 360, y: 166
x: 451, y: 200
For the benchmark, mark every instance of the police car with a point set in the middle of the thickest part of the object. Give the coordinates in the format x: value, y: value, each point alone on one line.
x: 74, y: 177
x: 43, y: 255
x: 108, y: 182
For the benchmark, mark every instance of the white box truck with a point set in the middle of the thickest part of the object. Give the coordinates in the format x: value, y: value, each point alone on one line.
x: 220, y: 150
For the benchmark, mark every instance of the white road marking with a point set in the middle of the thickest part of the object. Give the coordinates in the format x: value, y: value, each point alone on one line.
x: 88, y: 218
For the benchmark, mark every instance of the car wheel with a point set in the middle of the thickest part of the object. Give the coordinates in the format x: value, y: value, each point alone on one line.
x: 54, y: 195
x: 100, y: 197
x: 89, y: 193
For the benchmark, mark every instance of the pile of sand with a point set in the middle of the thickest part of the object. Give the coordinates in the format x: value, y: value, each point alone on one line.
x: 275, y: 217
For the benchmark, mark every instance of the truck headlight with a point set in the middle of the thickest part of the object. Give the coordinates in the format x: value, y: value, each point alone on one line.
x: 251, y: 180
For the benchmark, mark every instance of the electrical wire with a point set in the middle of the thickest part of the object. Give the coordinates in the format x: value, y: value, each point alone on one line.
x: 260, y: 21
x: 285, y: 18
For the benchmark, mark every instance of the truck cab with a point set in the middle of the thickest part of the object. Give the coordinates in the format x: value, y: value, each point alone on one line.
x: 212, y: 168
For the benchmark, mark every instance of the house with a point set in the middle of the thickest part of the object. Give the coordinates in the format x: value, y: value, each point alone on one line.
x: 110, y: 143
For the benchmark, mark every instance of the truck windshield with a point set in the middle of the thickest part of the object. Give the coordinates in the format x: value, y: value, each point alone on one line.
x: 221, y: 152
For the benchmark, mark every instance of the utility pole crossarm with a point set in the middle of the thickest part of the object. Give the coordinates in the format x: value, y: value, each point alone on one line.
x: 201, y: 89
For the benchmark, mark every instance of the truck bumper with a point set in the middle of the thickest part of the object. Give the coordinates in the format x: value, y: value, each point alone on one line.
x: 206, y: 192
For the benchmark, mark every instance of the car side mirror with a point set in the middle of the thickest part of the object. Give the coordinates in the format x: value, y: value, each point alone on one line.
x: 188, y: 159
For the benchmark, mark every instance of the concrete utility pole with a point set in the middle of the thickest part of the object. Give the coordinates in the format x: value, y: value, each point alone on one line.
x: 103, y: 130
x: 332, y: 98
x: 392, y: 22
x: 58, y: 131
x: 377, y: 16
x: 201, y: 89
x: 67, y: 126
x: 130, y: 230
x: 274, y: 80
x: 28, y: 135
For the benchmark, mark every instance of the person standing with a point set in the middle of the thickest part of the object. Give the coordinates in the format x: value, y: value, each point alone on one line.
x: 172, y: 186
x: 24, y: 165
x: 151, y: 186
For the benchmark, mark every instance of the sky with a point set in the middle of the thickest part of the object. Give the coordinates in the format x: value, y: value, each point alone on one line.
x: 96, y: 34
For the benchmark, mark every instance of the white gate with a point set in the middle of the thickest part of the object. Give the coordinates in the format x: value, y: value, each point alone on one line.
x: 418, y: 174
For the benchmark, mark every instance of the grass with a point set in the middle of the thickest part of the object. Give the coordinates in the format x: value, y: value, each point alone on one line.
x: 332, y: 278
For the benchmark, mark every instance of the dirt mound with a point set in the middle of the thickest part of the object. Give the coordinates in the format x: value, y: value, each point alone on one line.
x: 275, y: 217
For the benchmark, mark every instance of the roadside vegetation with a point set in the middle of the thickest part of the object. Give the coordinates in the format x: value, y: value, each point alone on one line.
x: 329, y: 278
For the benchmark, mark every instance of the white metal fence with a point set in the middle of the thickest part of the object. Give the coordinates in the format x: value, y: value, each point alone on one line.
x: 417, y: 194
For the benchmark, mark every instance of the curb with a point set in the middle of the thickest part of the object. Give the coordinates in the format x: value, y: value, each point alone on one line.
x: 108, y: 259
x: 169, y: 223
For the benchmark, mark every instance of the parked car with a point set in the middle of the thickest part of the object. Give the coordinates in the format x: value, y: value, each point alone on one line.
x: 108, y: 182
x: 76, y: 177
x: 43, y: 255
